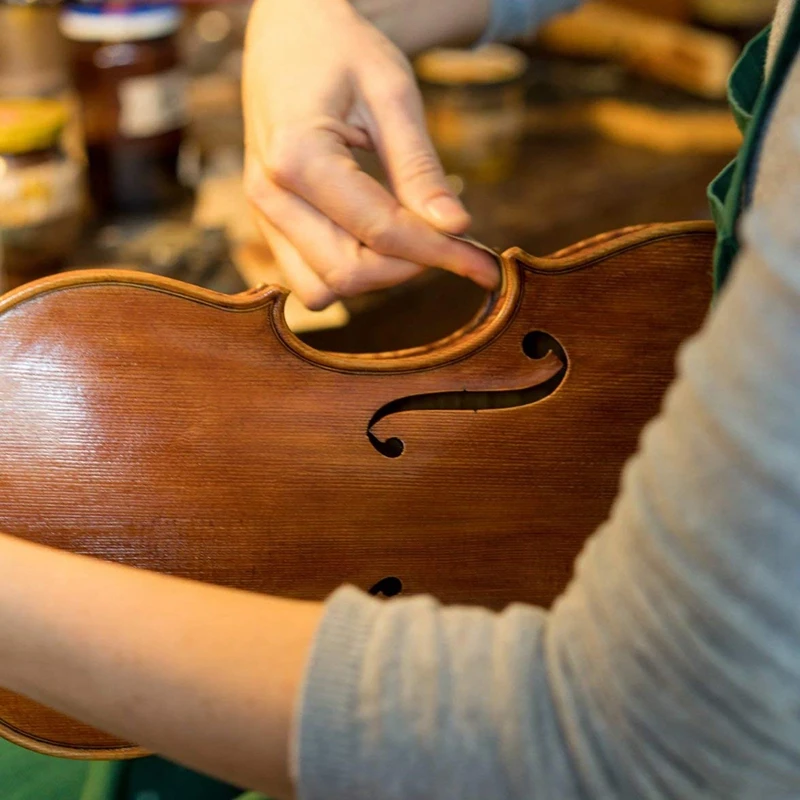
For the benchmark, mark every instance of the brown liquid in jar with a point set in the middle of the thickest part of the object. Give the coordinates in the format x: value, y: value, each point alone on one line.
x: 129, y: 171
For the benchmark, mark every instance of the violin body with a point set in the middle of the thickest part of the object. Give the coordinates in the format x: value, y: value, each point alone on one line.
x: 149, y: 422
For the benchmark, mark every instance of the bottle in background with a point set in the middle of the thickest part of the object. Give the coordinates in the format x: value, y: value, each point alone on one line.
x: 127, y: 71
x: 33, y: 60
x: 475, y: 108
x: 40, y: 191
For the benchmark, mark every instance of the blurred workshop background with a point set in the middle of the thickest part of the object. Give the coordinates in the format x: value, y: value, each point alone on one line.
x: 121, y: 143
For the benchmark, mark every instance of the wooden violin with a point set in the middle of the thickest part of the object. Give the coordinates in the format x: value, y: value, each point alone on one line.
x: 149, y: 422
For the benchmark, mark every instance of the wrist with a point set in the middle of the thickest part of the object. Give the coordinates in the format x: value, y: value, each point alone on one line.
x: 416, y: 25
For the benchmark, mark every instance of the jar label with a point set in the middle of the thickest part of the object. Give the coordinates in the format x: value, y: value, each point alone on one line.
x: 36, y: 194
x: 152, y: 104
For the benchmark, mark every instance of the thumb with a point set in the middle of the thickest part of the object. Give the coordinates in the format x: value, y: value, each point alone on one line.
x: 410, y: 159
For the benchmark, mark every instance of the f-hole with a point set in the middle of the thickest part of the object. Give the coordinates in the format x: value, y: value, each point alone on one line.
x: 538, y: 346
x: 387, y: 587
x: 391, y: 448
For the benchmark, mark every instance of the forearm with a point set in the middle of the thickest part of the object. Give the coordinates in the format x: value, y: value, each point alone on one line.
x: 204, y: 675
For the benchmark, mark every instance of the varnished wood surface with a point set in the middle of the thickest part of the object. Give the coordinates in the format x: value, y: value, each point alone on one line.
x: 160, y: 425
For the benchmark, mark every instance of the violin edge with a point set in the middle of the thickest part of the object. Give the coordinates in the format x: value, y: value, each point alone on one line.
x: 607, y: 244
x: 249, y: 300
x: 111, y: 752
x: 489, y: 322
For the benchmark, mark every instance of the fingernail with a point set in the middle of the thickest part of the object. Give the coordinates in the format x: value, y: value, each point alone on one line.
x: 448, y: 213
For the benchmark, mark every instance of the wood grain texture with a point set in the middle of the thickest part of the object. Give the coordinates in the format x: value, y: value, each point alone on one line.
x: 160, y: 425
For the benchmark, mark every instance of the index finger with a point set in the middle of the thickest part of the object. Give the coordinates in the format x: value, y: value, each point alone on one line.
x: 319, y: 167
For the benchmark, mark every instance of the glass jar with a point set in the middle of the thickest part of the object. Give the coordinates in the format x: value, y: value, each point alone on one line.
x: 475, y: 108
x: 32, y: 51
x: 127, y: 71
x: 40, y: 192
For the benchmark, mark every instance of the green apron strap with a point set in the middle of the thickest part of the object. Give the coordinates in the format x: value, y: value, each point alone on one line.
x: 733, y: 184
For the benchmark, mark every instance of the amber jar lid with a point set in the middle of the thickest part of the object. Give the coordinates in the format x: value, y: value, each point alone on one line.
x: 485, y: 66
x: 27, y: 125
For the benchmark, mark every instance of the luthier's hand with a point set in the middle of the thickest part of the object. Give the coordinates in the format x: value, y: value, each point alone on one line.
x: 320, y: 80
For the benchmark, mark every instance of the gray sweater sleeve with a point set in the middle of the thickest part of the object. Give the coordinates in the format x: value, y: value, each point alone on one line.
x: 670, y: 668
x: 509, y: 19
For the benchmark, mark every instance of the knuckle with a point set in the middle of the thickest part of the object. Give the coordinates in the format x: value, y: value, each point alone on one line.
x: 254, y: 185
x: 345, y: 280
x: 400, y: 91
x: 261, y: 196
x: 380, y: 235
x: 285, y: 159
x: 419, y: 165
x: 398, y: 84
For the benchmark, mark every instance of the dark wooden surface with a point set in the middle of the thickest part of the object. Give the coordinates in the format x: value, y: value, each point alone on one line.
x: 189, y: 432
x: 570, y: 188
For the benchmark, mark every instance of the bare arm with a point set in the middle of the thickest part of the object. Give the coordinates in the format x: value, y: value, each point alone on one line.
x: 205, y: 675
